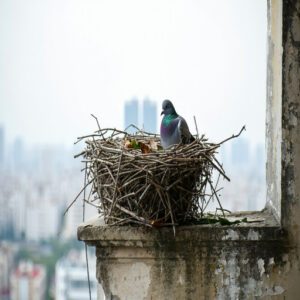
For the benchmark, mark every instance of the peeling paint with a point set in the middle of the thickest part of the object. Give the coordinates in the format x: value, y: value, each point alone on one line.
x: 228, y: 277
x: 261, y: 266
x: 253, y: 235
x: 275, y: 290
x: 293, y: 120
x: 231, y: 235
x: 181, y: 280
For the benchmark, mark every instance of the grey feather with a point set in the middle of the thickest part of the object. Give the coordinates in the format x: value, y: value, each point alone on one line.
x: 176, y: 130
x: 184, y: 132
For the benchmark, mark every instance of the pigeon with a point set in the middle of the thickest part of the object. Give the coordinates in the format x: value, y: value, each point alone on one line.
x: 173, y: 128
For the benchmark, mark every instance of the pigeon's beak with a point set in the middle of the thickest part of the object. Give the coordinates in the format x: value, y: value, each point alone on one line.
x: 162, y: 113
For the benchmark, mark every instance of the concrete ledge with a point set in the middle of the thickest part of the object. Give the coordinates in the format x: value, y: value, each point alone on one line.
x: 262, y: 227
x: 200, y: 262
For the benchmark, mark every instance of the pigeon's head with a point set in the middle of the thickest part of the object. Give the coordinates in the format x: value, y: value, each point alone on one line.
x: 168, y: 108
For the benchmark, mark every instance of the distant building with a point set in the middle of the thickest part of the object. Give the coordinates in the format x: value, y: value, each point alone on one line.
x: 74, y: 217
x: 131, y: 114
x: 2, y: 146
x: 18, y: 153
x: 7, y: 252
x: 6, y: 216
x: 42, y: 221
x: 28, y: 282
x: 145, y: 119
x: 149, y: 116
x: 260, y: 159
x: 18, y: 210
x: 71, y: 281
x: 240, y: 152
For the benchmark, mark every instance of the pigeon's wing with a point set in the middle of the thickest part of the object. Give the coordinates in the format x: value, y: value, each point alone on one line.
x: 184, y: 131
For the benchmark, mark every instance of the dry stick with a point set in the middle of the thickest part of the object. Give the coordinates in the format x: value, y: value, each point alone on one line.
x: 98, y: 126
x: 131, y: 220
x: 100, y: 134
x: 115, y: 189
x: 220, y: 171
x: 203, y: 185
x: 110, y: 173
x: 139, y: 190
x: 144, y: 192
x: 91, y: 190
x: 85, y: 136
x: 216, y: 195
x: 139, y: 130
x: 79, y: 154
x: 130, y: 213
x: 171, y: 213
x: 114, y: 130
x: 212, y: 193
x: 77, y: 196
x: 227, y: 210
x: 98, y: 190
x: 83, y: 217
x: 98, y: 160
x: 92, y: 204
x: 219, y: 164
x: 131, y: 180
x: 126, y: 196
x: 157, y: 187
x: 233, y: 136
x: 83, y: 203
x: 196, y: 127
x: 178, y: 180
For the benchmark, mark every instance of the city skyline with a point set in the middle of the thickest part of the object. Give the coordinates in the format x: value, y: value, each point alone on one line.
x: 142, y: 114
x: 208, y: 58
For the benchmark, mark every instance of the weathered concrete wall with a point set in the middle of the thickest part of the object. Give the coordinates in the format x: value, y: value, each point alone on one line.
x: 290, y: 177
x: 237, y: 262
x: 274, y: 107
x: 201, y: 262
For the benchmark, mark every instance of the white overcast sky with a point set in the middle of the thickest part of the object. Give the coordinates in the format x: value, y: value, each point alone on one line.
x: 61, y: 60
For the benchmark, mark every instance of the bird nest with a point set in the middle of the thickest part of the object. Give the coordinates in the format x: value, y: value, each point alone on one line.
x: 131, y: 179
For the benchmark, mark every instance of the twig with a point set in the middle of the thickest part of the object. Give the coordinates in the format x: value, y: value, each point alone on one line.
x: 98, y: 126
x: 83, y: 218
x: 115, y: 189
x: 216, y: 195
x: 233, y: 136
x: 69, y: 206
x: 196, y: 127
x: 171, y: 213
x: 130, y: 213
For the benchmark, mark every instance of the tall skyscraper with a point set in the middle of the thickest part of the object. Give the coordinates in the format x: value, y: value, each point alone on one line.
x: 145, y: 119
x: 131, y: 114
x: 149, y: 116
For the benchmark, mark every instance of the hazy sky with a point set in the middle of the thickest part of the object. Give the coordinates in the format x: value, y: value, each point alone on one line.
x: 61, y: 60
